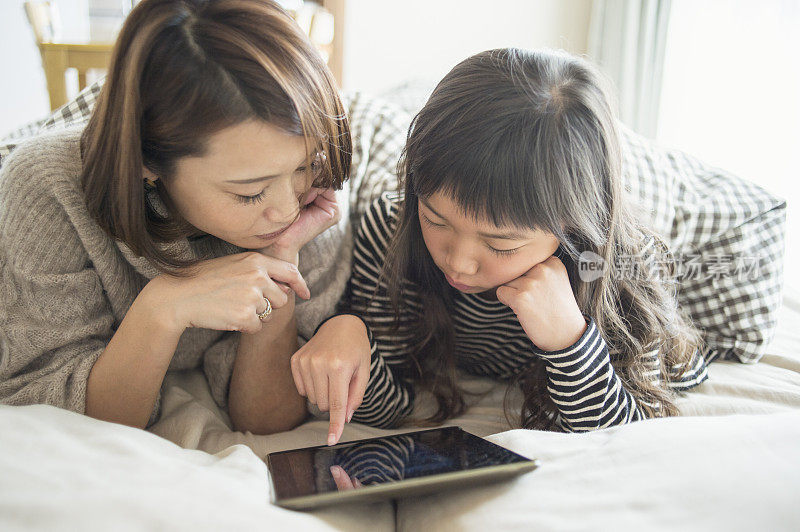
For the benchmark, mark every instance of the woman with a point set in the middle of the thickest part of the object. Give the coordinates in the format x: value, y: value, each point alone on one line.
x: 167, y: 234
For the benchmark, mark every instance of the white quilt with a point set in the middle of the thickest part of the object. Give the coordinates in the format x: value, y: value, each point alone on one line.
x: 731, y: 462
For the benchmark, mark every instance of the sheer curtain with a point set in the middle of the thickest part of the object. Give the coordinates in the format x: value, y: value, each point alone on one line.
x: 627, y: 38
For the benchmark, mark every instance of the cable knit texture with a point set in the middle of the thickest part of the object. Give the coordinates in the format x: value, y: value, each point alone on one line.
x: 66, y: 285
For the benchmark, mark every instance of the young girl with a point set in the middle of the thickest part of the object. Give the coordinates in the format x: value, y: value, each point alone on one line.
x: 512, y: 175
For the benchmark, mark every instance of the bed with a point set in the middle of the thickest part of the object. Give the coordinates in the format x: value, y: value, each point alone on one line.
x: 730, y: 461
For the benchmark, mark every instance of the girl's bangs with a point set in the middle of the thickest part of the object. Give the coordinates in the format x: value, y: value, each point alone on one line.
x: 493, y: 179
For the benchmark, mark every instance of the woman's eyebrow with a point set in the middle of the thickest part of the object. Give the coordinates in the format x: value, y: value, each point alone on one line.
x: 503, y: 236
x: 252, y: 180
x: 262, y: 178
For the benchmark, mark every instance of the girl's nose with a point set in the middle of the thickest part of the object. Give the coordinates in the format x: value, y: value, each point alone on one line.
x: 460, y: 260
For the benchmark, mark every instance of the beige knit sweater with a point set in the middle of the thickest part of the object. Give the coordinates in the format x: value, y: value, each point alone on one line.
x: 66, y: 286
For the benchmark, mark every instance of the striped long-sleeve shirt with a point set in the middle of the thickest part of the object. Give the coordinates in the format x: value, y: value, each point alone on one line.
x: 489, y: 341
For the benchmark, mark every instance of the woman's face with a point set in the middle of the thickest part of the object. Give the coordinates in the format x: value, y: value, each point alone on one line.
x: 247, y: 187
x: 477, y: 256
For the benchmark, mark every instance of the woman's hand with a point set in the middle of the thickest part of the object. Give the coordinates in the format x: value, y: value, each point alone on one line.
x: 225, y: 293
x: 545, y: 306
x: 319, y: 212
x: 332, y: 370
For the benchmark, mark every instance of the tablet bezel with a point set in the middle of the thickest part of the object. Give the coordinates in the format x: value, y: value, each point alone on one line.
x: 401, y: 488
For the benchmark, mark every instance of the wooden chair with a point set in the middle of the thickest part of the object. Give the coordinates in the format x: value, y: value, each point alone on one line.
x: 57, y: 57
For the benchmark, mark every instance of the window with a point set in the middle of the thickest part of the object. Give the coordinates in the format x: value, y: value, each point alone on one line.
x: 731, y: 95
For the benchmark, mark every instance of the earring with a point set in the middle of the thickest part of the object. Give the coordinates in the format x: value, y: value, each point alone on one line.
x: 149, y: 184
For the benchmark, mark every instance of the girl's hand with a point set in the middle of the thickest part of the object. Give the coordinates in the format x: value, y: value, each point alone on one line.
x: 545, y: 306
x: 319, y: 212
x: 226, y: 293
x: 332, y: 370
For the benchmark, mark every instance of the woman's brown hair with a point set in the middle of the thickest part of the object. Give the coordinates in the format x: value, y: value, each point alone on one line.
x: 529, y: 139
x: 182, y: 70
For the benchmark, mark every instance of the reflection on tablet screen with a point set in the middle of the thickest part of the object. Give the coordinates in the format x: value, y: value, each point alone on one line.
x: 377, y: 461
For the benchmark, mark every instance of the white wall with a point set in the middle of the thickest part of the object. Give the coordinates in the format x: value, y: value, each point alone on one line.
x: 387, y: 42
x: 23, y: 90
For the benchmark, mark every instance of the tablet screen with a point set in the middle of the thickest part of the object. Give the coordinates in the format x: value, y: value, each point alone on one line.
x: 379, y: 461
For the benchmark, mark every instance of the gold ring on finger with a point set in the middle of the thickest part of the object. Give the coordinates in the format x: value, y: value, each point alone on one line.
x: 267, y: 312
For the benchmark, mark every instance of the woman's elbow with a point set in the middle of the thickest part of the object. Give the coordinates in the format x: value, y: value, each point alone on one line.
x: 266, y: 425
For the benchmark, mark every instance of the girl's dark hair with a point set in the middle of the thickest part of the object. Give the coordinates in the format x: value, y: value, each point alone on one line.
x: 529, y: 139
x: 182, y: 70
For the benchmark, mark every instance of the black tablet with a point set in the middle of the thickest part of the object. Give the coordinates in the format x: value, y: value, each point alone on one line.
x: 389, y: 467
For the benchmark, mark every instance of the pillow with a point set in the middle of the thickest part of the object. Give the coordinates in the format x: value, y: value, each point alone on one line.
x: 727, y: 235
x: 73, y: 113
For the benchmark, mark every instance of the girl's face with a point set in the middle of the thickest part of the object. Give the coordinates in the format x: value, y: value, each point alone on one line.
x: 246, y: 189
x: 479, y: 256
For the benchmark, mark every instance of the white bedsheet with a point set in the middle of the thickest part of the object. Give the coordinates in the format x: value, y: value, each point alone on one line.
x: 63, y: 471
x: 731, y: 462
